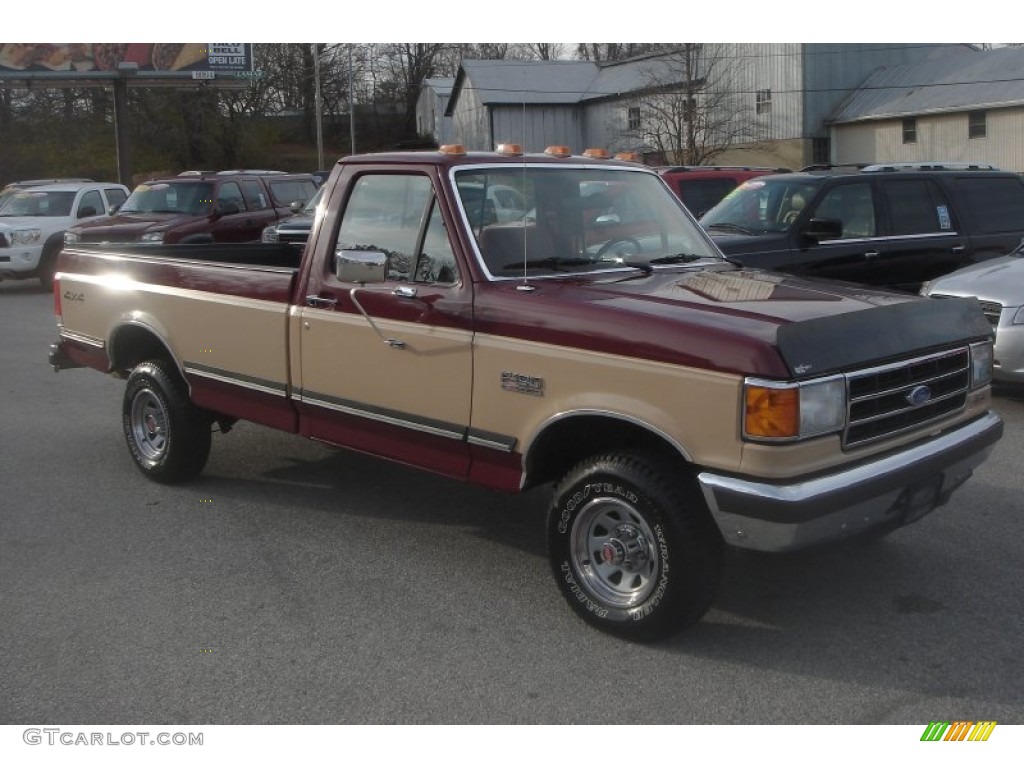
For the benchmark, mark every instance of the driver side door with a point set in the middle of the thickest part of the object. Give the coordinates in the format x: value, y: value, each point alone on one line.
x: 386, y: 366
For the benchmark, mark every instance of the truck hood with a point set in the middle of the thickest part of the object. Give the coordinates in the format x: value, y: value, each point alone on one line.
x: 749, y: 321
x: 1000, y: 280
x: 47, y: 224
x: 129, y: 226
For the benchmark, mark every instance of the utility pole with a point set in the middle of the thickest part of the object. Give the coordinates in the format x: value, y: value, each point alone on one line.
x: 319, y: 108
x: 351, y: 103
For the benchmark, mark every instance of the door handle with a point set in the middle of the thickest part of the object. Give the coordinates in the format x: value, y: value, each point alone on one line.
x: 871, y: 255
x: 958, y: 249
x: 321, y: 302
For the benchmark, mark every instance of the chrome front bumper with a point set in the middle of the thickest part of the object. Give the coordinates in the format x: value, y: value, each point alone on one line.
x: 889, y: 492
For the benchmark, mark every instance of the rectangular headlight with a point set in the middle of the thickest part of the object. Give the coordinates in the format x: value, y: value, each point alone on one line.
x: 25, y: 236
x: 981, y: 364
x: 793, y: 411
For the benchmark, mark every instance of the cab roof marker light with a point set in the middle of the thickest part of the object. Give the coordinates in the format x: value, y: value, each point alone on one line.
x: 597, y: 154
x: 631, y: 157
x: 452, y: 149
x: 509, y: 149
x: 558, y: 150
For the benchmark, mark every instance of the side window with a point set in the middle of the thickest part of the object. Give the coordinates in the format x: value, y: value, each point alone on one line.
x: 386, y: 213
x: 992, y: 205
x: 436, y: 260
x: 853, y: 205
x: 91, y: 204
x: 115, y: 197
x: 288, y: 191
x: 255, y: 195
x: 229, y: 193
x: 916, y: 207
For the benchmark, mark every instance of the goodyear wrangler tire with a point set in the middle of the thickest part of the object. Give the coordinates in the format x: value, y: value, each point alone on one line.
x: 167, y: 436
x: 633, y: 550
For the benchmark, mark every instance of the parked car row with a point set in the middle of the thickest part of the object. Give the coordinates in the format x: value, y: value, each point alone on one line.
x: 889, y: 226
x: 201, y: 207
x: 38, y: 216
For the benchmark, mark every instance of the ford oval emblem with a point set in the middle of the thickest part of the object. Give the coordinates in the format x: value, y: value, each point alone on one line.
x: 919, y: 395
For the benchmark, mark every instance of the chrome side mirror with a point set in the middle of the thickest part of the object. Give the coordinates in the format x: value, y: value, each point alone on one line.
x: 360, y: 266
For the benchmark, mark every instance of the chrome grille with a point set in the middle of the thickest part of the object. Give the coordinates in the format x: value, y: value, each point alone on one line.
x: 892, y: 399
x: 992, y: 310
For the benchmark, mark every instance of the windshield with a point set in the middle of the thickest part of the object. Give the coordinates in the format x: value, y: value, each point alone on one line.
x: 537, y: 220
x: 38, y: 204
x: 760, y: 206
x: 190, y: 197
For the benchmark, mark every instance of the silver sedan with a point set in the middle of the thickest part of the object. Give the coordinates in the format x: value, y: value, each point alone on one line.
x: 999, y: 285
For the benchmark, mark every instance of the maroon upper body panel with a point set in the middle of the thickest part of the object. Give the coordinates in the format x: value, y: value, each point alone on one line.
x: 269, y: 283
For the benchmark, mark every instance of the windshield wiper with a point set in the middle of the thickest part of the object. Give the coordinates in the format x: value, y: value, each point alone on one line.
x: 647, y: 265
x: 731, y: 228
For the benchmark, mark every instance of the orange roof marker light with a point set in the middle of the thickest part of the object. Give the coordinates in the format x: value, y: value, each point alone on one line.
x: 452, y: 149
x: 509, y: 149
x: 597, y: 154
x: 631, y: 157
x: 558, y: 150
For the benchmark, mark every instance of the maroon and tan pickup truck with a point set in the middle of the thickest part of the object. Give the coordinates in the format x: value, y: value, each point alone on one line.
x: 591, y: 337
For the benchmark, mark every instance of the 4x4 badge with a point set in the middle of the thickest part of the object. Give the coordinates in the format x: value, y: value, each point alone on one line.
x: 521, y: 383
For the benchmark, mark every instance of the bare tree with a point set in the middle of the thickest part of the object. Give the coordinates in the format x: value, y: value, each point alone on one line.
x: 691, y: 110
x: 545, y: 51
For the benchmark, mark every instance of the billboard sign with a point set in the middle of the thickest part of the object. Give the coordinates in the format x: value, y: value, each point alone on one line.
x: 160, y: 59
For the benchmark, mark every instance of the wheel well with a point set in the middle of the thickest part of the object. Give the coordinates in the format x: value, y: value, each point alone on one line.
x: 133, y: 344
x: 568, y: 441
x: 54, y: 244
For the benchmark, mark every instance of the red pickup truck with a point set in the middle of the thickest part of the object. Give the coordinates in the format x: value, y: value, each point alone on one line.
x: 595, y: 339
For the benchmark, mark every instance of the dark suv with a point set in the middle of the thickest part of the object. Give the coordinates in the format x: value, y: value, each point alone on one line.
x: 700, y: 187
x: 201, y: 207
x: 896, y: 225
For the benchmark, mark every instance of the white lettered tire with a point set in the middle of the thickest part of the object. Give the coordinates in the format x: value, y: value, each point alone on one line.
x: 632, y: 547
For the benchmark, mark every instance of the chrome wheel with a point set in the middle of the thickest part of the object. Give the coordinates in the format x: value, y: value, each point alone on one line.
x: 149, y: 424
x: 613, y: 553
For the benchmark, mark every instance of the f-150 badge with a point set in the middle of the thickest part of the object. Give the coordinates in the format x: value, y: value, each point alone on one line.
x: 521, y: 383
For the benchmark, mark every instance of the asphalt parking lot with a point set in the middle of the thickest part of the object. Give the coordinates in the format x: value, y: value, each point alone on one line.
x: 294, y: 583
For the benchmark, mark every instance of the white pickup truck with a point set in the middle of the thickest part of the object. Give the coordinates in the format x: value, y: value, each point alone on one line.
x: 33, y: 220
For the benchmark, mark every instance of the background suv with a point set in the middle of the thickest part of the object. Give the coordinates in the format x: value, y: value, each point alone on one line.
x: 896, y: 225
x: 700, y: 187
x: 201, y: 207
x: 34, y: 216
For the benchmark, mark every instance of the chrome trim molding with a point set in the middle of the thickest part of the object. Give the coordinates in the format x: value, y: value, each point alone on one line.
x: 491, y: 440
x: 383, y: 415
x: 237, y: 379
x: 82, y: 338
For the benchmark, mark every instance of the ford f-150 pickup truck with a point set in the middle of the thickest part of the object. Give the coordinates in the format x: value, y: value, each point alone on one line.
x: 598, y: 341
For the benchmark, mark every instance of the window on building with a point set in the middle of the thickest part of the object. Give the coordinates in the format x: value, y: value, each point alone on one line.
x: 976, y: 124
x: 910, y: 130
x: 763, y: 101
x: 821, y: 151
x: 633, y: 118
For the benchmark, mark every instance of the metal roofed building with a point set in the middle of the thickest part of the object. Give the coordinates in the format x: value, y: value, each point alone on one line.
x: 786, y: 91
x: 967, y: 109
